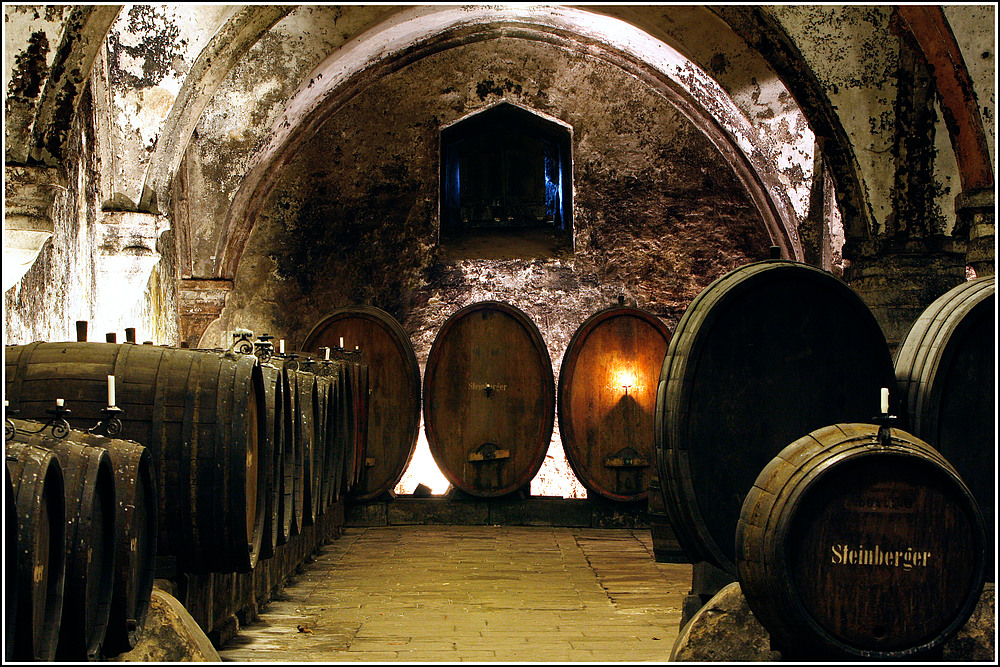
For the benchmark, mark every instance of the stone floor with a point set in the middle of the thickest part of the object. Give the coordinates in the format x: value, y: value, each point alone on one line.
x: 474, y: 594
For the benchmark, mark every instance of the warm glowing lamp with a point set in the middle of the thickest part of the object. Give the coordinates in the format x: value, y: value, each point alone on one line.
x: 626, y: 380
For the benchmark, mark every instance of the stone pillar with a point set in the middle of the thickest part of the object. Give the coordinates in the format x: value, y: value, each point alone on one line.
x: 28, y: 196
x: 904, y: 277
x: 200, y: 302
x: 976, y: 210
x: 124, y: 258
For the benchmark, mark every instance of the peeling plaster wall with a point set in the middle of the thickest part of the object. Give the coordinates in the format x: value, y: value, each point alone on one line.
x: 240, y: 114
x: 854, y: 55
x: 62, y: 285
x: 746, y: 77
x: 150, y: 50
x: 31, y: 36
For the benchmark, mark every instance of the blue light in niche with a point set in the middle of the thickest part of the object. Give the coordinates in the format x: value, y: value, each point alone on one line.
x: 553, y: 185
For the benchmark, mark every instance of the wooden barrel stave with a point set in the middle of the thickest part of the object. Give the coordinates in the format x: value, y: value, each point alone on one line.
x: 323, y: 392
x: 843, y: 484
x: 489, y: 399
x: 306, y: 402
x: 171, y: 400
x: 41, y: 527
x: 11, y: 549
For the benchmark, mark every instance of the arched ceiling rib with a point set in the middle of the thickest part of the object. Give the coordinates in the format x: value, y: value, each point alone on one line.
x: 423, y: 30
x: 204, y: 78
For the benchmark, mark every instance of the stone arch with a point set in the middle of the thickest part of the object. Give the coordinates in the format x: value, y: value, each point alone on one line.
x: 764, y: 34
x: 206, y: 75
x: 421, y: 31
x: 40, y: 129
x: 930, y: 28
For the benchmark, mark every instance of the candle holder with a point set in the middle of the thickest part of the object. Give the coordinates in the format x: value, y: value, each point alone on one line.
x: 885, y: 423
x: 60, y: 427
x: 109, y: 422
x: 242, y: 342
x: 263, y: 348
x: 8, y: 425
x: 292, y: 361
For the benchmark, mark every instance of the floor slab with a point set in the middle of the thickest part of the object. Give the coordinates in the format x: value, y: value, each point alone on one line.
x: 434, y: 593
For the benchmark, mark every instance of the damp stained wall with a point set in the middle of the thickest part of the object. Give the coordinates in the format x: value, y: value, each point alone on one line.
x: 31, y: 34
x: 854, y: 55
x: 150, y: 50
x: 238, y: 117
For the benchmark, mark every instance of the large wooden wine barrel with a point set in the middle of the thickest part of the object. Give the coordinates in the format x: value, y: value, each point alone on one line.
x: 41, y: 540
x: 607, y: 400
x: 763, y: 355
x: 489, y: 399
x: 324, y: 396
x: 394, y: 403
x: 134, y: 538
x: 89, y: 484
x: 199, y: 413
x: 945, y: 371
x: 361, y: 402
x: 854, y: 546
x: 344, y: 452
x: 290, y: 523
x: 338, y: 419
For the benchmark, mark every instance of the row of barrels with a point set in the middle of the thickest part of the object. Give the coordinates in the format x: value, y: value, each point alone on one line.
x: 489, y: 398
x: 849, y: 539
x: 243, y: 455
x: 82, y: 516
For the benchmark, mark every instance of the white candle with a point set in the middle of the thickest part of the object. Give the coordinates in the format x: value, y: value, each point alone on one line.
x: 341, y: 342
x: 281, y: 346
x: 326, y: 353
x: 111, y: 391
x: 885, y: 400
x: 59, y: 402
x: 356, y: 348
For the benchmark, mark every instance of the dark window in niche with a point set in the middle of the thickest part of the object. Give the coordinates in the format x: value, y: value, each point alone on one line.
x: 506, y: 173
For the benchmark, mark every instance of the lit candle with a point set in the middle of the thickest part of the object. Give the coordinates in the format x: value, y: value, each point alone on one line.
x: 281, y: 346
x: 885, y: 400
x: 341, y: 342
x: 59, y: 402
x: 326, y: 353
x: 111, y: 391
